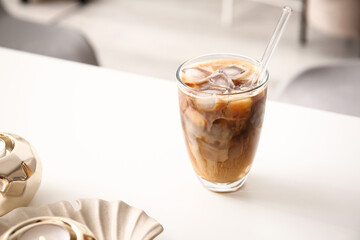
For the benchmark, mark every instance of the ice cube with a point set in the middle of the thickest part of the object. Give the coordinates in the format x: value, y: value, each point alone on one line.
x: 221, y: 80
x: 209, y: 103
x: 222, y: 129
x: 207, y: 88
x: 194, y: 75
x: 238, y: 108
x: 233, y: 72
x: 195, y: 118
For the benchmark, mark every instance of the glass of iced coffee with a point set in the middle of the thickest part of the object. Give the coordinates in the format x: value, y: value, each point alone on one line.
x: 222, y: 104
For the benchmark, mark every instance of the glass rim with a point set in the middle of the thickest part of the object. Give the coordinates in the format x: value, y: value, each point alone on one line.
x: 266, y: 77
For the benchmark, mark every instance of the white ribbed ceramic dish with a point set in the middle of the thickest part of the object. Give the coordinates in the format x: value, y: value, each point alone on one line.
x: 107, y: 220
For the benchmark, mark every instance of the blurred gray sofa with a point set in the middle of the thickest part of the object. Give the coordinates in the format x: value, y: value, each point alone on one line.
x: 332, y: 87
x: 49, y: 40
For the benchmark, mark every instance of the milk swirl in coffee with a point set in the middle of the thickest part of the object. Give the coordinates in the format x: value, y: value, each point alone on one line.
x: 222, y: 113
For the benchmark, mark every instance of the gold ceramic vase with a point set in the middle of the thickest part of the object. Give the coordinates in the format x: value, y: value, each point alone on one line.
x: 20, y: 172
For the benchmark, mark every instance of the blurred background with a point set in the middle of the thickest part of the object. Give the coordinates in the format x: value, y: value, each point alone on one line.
x: 153, y: 37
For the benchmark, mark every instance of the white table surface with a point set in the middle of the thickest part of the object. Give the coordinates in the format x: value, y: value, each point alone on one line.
x: 117, y: 136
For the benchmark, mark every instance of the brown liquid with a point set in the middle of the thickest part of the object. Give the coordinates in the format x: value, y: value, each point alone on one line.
x: 221, y: 131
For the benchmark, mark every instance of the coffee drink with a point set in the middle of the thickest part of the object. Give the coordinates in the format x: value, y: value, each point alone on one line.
x: 222, y: 109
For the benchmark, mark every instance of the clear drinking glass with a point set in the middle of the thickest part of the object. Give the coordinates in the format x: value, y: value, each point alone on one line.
x: 222, y: 130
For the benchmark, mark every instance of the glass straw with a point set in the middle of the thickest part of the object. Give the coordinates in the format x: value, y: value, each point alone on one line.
x: 272, y: 44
